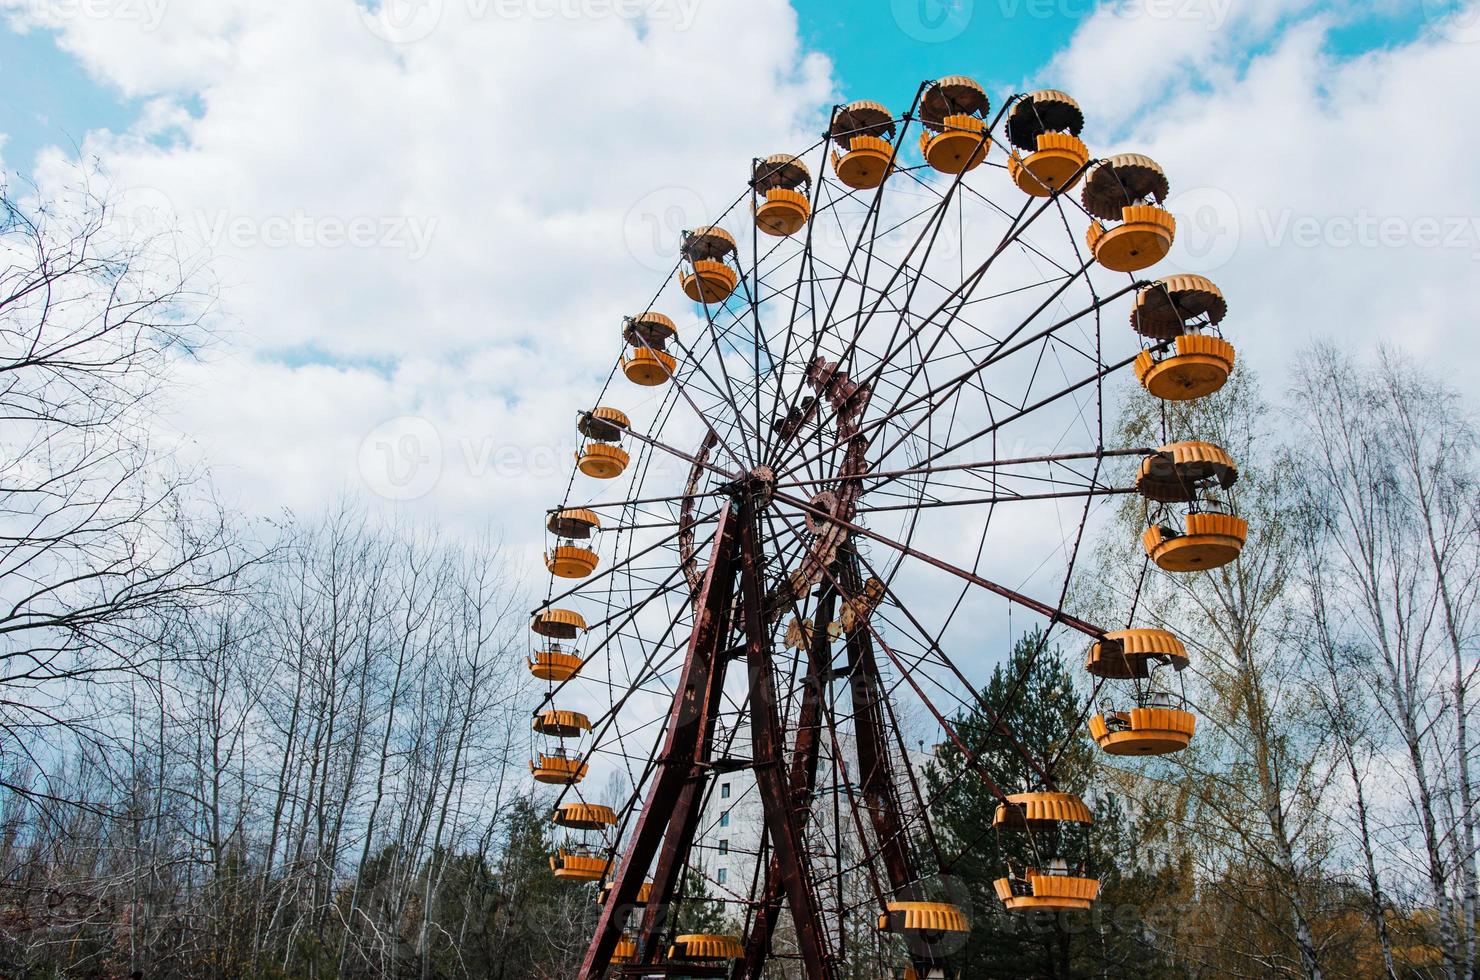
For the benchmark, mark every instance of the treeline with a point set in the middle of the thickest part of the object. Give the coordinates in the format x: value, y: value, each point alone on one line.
x: 1322, y: 822
x: 307, y: 772
x: 233, y: 748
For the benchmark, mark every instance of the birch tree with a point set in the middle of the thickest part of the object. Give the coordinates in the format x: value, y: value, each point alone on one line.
x: 1386, y: 459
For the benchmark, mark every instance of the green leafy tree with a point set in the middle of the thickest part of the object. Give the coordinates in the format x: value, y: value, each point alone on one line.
x: 698, y: 911
x: 1033, y: 696
x: 539, y: 922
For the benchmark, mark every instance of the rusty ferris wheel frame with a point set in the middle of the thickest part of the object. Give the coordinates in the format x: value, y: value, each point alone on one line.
x: 795, y: 465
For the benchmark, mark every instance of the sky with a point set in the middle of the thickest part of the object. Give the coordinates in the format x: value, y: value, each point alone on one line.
x: 421, y: 217
x: 424, y: 219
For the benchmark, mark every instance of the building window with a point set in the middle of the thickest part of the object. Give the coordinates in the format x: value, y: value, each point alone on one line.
x: 724, y: 819
x: 724, y: 846
x: 721, y: 875
x: 724, y: 791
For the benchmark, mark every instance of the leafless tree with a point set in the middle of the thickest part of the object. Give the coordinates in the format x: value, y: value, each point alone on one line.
x: 1386, y: 456
x: 1255, y: 777
x: 1348, y: 709
x: 101, y: 534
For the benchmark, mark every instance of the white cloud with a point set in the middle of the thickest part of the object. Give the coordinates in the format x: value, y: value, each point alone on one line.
x: 517, y: 181
x: 1327, y: 196
x: 448, y: 229
x: 141, y: 46
x: 1131, y: 53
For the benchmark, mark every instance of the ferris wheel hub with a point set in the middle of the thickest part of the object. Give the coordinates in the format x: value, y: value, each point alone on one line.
x: 827, y: 503
x: 758, y: 486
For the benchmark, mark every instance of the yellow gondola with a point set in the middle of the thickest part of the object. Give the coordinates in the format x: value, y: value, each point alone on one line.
x: 702, y: 947
x: 1053, y: 883
x: 602, y: 457
x: 1051, y: 891
x: 952, y: 113
x: 863, y: 131
x: 644, y: 892
x: 1179, y: 309
x: 930, y: 920
x: 649, y: 367
x: 1150, y: 729
x: 552, y: 661
x: 784, y: 209
x: 554, y: 664
x: 647, y: 361
x: 561, y: 724
x: 1130, y: 189
x: 1157, y: 721
x: 1129, y: 654
x: 1199, y: 366
x: 1207, y: 540
x: 558, y: 768
x: 1181, y: 471
x: 1050, y: 156
x: 707, y: 279
x: 1191, y: 473
x: 558, y: 624
x: 569, y: 559
x: 577, y: 862
x: 584, y: 816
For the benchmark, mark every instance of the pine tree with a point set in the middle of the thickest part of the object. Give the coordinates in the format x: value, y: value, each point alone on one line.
x: 698, y: 911
x: 1034, y: 696
x: 530, y: 902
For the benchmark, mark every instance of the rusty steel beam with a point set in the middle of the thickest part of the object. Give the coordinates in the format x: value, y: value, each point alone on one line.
x: 804, y: 758
x: 682, y: 825
x: 783, y: 827
x: 875, y: 769
x: 689, y: 721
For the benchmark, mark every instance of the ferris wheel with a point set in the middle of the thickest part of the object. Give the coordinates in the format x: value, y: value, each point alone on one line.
x: 860, y: 427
